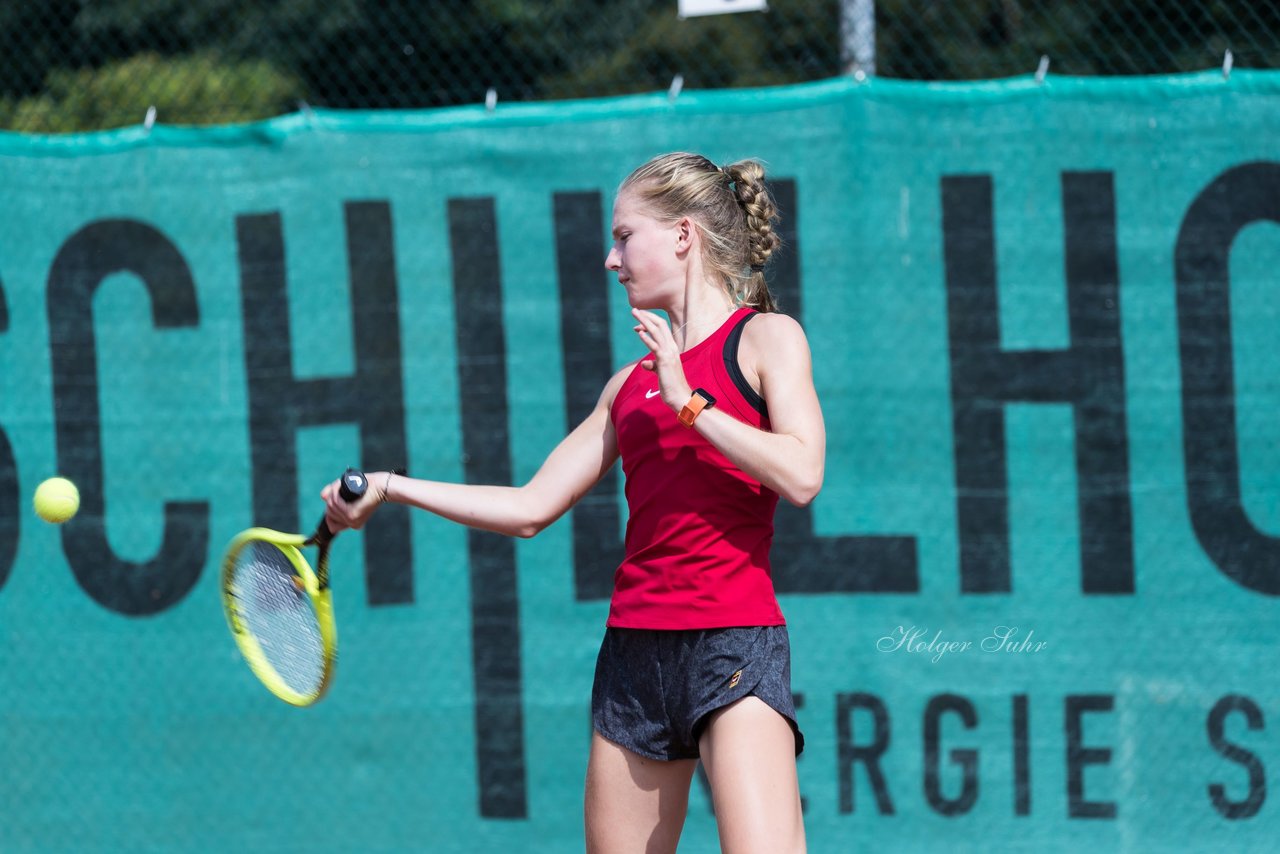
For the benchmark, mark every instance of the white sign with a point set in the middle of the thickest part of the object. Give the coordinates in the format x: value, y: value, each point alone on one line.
x: 691, y: 8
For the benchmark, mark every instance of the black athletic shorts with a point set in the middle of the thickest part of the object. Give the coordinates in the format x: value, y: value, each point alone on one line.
x: 654, y: 689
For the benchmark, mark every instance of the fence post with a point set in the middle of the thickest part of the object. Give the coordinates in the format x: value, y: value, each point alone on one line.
x: 858, y: 36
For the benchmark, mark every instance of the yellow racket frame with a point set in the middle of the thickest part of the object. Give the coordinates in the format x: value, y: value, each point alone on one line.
x: 321, y: 602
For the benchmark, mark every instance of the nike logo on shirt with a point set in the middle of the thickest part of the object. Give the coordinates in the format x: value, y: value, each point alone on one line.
x: 653, y: 393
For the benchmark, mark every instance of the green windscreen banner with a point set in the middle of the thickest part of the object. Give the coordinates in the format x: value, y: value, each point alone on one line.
x: 1034, y: 605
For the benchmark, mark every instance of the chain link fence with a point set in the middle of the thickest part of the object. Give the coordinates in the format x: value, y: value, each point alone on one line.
x: 78, y: 65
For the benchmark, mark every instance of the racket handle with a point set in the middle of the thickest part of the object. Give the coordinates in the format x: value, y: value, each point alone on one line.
x: 353, y: 485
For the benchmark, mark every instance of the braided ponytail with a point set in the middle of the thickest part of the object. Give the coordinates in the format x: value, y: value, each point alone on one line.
x: 761, y: 214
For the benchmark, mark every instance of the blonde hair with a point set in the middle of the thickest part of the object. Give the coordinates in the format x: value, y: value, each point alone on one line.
x: 732, y: 208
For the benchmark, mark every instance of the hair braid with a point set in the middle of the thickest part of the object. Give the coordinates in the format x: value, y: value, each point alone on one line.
x: 760, y: 215
x: 748, y: 182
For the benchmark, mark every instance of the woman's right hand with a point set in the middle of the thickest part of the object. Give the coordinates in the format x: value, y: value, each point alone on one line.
x: 341, y: 514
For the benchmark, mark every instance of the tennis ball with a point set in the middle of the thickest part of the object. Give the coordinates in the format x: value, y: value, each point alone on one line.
x: 57, y: 500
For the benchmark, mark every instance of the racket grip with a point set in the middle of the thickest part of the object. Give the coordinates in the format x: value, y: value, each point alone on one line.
x: 353, y: 485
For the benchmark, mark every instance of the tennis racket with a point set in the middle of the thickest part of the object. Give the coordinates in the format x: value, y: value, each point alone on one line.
x: 279, y: 611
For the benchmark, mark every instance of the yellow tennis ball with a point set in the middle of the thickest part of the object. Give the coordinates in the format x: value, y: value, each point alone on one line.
x: 57, y: 500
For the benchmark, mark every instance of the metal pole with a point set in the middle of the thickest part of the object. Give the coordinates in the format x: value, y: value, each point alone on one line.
x: 858, y: 36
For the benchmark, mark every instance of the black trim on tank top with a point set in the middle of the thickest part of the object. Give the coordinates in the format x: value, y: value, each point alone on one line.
x: 731, y: 343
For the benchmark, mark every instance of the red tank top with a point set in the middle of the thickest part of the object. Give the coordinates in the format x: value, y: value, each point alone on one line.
x: 699, y: 529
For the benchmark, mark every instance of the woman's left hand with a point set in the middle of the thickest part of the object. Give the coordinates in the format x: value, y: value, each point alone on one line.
x: 665, y: 362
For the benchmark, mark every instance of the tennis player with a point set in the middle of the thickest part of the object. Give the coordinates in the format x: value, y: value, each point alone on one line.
x: 712, y: 426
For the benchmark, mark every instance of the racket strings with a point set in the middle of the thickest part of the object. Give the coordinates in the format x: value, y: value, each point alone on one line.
x: 277, y: 611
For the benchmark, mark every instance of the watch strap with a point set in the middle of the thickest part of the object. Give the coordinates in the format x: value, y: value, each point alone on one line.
x: 698, y: 401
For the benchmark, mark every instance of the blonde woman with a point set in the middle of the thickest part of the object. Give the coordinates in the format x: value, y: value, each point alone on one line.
x: 717, y: 422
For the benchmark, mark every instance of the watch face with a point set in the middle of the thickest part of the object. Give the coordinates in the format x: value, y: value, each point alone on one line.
x: 706, y: 395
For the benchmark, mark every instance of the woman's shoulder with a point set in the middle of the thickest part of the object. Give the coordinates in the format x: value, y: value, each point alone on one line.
x: 776, y: 323
x: 615, y: 383
x: 771, y: 332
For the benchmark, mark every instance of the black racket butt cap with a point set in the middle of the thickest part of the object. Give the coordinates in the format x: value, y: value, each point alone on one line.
x: 353, y: 485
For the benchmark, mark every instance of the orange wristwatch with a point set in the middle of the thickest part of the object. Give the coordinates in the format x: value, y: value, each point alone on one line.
x: 699, y: 401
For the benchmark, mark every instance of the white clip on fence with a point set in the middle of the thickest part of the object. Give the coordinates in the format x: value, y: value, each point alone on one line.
x: 677, y: 84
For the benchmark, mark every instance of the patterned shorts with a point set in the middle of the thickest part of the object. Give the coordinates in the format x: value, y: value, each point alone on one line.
x: 654, y: 689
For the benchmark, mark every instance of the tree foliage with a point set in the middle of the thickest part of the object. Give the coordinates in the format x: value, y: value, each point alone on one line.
x: 102, y: 63
x: 200, y: 88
